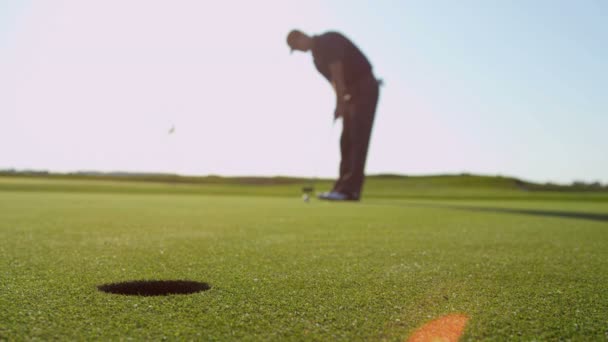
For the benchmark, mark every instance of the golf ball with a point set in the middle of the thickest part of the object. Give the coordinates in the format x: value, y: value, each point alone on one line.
x: 306, y: 197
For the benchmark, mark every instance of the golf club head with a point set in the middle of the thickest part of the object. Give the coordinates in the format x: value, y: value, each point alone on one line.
x: 308, y: 189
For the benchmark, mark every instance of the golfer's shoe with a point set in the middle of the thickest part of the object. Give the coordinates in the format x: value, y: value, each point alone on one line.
x: 336, y: 196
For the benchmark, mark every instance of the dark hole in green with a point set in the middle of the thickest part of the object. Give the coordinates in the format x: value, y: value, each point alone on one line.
x: 154, y: 287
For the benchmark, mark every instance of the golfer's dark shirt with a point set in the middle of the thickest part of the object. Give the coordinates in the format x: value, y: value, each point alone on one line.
x: 332, y: 47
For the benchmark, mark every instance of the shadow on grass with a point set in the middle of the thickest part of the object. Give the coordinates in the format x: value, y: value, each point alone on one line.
x: 533, y: 212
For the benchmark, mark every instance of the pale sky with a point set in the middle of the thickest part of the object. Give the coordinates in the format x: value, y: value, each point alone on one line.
x: 515, y: 88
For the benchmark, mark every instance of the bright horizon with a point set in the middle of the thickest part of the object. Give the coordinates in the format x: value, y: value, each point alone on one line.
x: 514, y: 89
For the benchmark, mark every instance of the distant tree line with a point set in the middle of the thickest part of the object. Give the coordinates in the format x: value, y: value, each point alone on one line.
x: 174, y: 178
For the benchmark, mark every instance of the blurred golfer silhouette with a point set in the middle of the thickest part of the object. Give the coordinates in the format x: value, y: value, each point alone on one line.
x: 357, y: 90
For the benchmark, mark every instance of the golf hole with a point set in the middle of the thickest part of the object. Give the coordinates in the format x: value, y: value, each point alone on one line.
x: 154, y: 287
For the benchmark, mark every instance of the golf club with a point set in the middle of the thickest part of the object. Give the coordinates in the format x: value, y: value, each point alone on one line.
x: 308, y: 190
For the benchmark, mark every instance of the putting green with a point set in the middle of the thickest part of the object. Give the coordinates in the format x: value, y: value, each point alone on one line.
x: 280, y: 269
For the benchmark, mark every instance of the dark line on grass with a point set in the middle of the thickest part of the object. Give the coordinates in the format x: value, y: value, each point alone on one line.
x: 533, y: 212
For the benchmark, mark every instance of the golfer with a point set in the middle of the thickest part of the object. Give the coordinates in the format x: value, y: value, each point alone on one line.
x: 350, y: 74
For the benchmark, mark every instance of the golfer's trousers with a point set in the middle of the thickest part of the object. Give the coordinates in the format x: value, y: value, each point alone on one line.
x: 356, y: 132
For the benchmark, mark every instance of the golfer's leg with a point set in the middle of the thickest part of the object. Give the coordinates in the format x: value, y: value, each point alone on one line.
x: 353, y: 136
x: 344, y: 152
x: 359, y: 146
x: 360, y: 133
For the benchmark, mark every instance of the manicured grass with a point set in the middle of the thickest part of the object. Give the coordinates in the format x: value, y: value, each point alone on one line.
x: 421, y: 187
x: 280, y: 269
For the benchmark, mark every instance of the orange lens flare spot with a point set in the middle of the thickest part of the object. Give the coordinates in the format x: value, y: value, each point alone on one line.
x: 444, y: 329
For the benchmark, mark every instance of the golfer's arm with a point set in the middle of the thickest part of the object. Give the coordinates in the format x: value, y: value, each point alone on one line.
x: 336, y: 70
